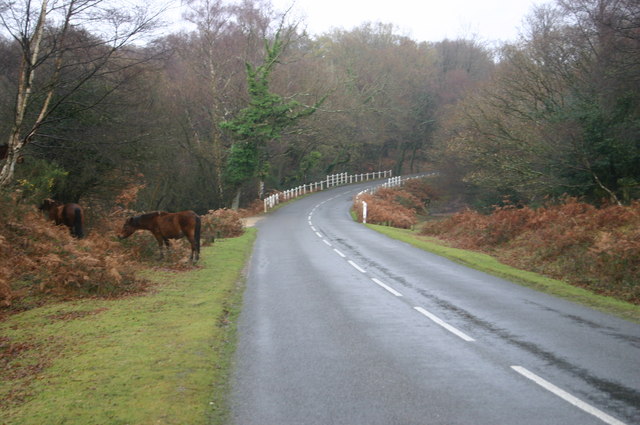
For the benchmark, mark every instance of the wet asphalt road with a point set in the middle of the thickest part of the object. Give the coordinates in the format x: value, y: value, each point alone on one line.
x: 342, y: 325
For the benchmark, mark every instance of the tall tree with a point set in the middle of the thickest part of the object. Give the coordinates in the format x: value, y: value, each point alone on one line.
x: 46, y: 77
x: 263, y: 120
x: 562, y: 113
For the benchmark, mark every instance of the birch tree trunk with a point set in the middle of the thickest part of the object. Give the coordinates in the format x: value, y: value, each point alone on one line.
x: 15, y: 143
x: 30, y: 39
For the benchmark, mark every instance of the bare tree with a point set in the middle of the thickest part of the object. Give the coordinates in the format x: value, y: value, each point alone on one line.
x: 560, y: 114
x: 45, y: 33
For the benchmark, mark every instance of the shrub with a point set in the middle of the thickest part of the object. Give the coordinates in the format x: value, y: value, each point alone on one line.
x: 222, y: 223
x: 255, y: 208
x: 396, y: 207
x: 593, y: 247
x: 41, y: 258
x: 384, y: 210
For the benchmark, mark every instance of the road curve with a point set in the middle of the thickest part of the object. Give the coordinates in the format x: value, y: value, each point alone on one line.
x: 342, y: 325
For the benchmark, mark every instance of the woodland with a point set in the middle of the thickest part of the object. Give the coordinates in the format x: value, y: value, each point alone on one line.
x: 99, y: 100
x: 532, y: 149
x: 95, y: 97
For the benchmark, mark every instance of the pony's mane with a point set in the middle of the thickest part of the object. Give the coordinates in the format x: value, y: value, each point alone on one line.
x: 149, y: 215
x: 143, y: 217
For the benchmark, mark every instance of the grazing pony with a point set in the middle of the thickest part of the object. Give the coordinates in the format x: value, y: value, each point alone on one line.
x: 165, y: 226
x: 71, y: 215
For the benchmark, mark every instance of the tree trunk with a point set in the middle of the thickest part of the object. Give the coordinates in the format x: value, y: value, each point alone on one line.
x: 235, y: 204
x: 30, y: 51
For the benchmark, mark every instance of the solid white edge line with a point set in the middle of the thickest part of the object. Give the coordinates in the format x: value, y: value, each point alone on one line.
x: 567, y: 397
x: 388, y: 288
x: 357, y: 267
x: 444, y: 324
x: 339, y: 253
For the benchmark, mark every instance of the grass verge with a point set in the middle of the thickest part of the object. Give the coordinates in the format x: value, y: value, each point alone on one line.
x: 488, y: 264
x: 160, y: 358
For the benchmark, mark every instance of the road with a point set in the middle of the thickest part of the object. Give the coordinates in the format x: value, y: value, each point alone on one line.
x: 342, y: 325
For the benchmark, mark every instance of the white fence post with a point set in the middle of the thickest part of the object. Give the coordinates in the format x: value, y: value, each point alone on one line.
x: 364, y: 212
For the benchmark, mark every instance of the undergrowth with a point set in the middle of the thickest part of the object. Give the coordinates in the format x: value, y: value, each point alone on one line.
x: 397, y: 207
x: 594, y: 248
x: 42, y: 262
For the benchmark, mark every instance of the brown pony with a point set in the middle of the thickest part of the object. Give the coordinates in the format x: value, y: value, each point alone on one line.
x: 165, y: 226
x: 71, y: 215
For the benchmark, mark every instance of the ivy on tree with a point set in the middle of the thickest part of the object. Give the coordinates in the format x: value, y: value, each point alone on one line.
x: 263, y: 120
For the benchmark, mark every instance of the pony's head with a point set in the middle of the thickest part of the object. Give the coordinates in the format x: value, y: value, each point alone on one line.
x: 47, y: 204
x: 128, y: 228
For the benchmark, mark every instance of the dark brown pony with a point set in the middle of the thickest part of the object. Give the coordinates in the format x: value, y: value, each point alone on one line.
x: 71, y: 215
x: 165, y: 226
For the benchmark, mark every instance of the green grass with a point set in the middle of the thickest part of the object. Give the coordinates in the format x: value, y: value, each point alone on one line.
x: 159, y: 358
x: 488, y: 264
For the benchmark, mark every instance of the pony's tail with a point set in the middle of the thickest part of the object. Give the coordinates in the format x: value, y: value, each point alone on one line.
x: 196, y: 235
x: 77, y: 223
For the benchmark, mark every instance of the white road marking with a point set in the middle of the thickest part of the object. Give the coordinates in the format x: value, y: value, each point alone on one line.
x: 313, y: 228
x: 387, y: 287
x: 319, y: 234
x: 327, y: 242
x: 357, y: 267
x: 339, y: 253
x: 444, y: 324
x: 567, y: 397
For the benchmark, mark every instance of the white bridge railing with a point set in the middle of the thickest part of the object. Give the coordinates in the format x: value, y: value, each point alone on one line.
x: 330, y: 181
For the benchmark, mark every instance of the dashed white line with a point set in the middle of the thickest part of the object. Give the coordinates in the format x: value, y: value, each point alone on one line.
x: 444, y: 324
x: 519, y: 369
x: 387, y: 287
x: 357, y: 267
x: 567, y: 397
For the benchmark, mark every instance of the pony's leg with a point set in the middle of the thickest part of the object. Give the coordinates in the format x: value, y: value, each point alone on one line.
x: 167, y: 246
x: 194, y: 253
x: 194, y: 239
x: 160, y: 240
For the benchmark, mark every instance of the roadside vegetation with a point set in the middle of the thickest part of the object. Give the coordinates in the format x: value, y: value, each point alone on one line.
x: 160, y: 354
x: 569, y: 248
x: 99, y: 330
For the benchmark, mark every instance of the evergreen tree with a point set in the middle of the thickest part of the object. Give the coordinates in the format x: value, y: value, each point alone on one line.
x: 263, y: 120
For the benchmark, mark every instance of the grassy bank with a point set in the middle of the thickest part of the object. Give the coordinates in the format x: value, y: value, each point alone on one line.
x: 492, y: 266
x: 159, y: 358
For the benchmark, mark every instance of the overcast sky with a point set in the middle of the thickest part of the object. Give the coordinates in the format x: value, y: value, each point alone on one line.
x: 421, y: 20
